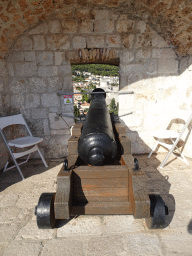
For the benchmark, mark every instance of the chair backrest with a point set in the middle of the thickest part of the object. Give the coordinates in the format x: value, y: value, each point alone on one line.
x: 185, y: 116
x: 11, y: 120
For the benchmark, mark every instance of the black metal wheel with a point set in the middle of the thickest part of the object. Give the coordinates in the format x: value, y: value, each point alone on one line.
x: 158, y: 212
x: 65, y: 164
x: 45, y: 211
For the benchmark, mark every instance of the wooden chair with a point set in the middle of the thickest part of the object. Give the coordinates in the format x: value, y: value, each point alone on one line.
x: 21, y: 142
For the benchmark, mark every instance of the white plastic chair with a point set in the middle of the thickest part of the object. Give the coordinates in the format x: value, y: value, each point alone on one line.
x: 22, y: 142
x: 174, y: 137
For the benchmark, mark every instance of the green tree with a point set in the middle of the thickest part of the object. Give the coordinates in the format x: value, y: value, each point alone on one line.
x: 96, y: 69
x: 76, y: 111
x: 113, y: 108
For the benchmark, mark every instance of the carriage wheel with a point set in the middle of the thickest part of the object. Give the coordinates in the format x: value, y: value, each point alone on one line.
x: 45, y: 211
x: 158, y: 212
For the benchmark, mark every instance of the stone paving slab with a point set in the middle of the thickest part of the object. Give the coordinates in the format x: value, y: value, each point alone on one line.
x: 104, y: 235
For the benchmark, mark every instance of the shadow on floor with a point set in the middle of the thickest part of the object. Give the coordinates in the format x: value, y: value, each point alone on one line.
x: 189, y: 228
x: 31, y: 168
x: 157, y: 183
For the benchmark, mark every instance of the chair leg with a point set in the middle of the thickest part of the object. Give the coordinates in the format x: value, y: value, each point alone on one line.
x: 11, y: 153
x: 182, y: 158
x: 5, y: 168
x: 43, y: 159
x: 17, y: 166
x: 153, y: 149
x: 167, y: 156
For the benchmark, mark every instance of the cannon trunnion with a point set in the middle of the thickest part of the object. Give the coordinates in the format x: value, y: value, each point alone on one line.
x: 88, y: 184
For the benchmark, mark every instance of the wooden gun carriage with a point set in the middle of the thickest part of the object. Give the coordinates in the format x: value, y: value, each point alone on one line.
x: 109, y: 185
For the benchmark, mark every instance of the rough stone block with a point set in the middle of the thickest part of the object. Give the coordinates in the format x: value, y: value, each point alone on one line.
x: 67, y: 108
x: 54, y: 84
x: 10, y: 69
x: 95, y: 42
x: 7, y: 233
x: 37, y: 127
x: 39, y: 113
x: 41, y: 29
x: 17, y: 85
x: 156, y: 53
x: 143, y: 40
x: 44, y: 58
x: 31, y: 231
x: 36, y: 85
x: 69, y: 26
x: 183, y: 64
x: 50, y: 100
x: 125, y: 25
x: 39, y: 42
x: 113, y: 243
x: 158, y: 41
x: 32, y: 100
x: 46, y: 127
x: 24, y: 43
x: 67, y: 83
x: 25, y: 69
x: 132, y: 120
x: 55, y: 247
x: 48, y: 71
x: 141, y: 26
x: 190, y: 63
x: 151, y: 67
x: 58, y: 146
x: 86, y: 27
x: 179, y: 241
x: 168, y: 53
x: 79, y: 42
x: 82, y: 225
x: 58, y: 132
x: 16, y: 57
x: 1, y: 84
x: 168, y: 66
x: 126, y: 103
x: 17, y: 101
x: 128, y: 41
x: 122, y: 223
x: 58, y: 42
x: 59, y: 58
x: 127, y: 57
x: 113, y: 41
x: 58, y: 123
x: 2, y: 68
x: 133, y: 69
x: 103, y: 22
x: 64, y: 70
x: 143, y: 54
x: 143, y: 244
x: 54, y: 26
x: 24, y: 248
x: 53, y: 109
x: 29, y: 56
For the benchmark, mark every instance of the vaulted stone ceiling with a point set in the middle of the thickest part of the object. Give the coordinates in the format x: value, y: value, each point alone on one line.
x: 172, y: 19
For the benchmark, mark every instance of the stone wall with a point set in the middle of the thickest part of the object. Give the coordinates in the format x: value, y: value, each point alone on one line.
x: 38, y: 65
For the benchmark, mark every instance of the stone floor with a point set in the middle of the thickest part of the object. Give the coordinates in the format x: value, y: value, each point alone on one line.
x: 95, y: 235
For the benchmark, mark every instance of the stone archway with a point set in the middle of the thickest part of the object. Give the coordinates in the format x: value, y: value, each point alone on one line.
x: 39, y: 65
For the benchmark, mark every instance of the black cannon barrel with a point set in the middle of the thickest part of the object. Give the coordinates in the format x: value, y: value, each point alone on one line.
x: 97, y: 139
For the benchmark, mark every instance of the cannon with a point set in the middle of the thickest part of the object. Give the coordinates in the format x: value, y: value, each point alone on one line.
x: 100, y: 175
x: 97, y: 141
